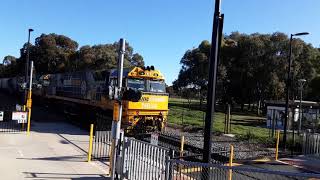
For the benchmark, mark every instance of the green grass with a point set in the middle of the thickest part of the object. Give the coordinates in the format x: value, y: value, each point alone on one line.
x: 191, y: 115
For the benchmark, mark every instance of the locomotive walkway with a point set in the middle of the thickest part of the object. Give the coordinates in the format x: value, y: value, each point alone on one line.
x: 52, y: 151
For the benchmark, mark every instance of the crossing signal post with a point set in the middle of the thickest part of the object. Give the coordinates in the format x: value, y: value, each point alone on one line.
x: 117, y: 114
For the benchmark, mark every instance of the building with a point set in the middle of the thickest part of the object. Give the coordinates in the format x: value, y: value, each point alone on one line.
x: 310, y: 112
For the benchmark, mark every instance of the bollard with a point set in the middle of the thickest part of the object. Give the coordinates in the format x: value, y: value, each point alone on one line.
x: 90, y: 143
x: 29, y: 119
x: 230, y: 162
x: 29, y: 100
x: 277, y: 145
x: 181, y: 152
x: 181, y: 146
x: 29, y: 106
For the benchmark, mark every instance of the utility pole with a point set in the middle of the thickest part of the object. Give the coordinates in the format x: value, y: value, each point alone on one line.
x: 27, y: 66
x: 288, y: 87
x: 214, y: 52
x: 29, y: 99
x: 117, y: 111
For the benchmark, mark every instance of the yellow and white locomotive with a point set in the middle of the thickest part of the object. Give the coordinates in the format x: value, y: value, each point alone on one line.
x: 93, y: 92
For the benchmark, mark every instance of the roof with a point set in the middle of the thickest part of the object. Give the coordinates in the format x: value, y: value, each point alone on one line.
x: 138, y: 72
x: 292, y: 103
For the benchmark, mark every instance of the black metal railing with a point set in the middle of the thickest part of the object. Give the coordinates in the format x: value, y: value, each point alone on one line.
x: 7, y: 124
x: 194, y: 170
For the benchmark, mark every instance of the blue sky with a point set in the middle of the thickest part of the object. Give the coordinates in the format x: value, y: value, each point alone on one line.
x: 160, y: 30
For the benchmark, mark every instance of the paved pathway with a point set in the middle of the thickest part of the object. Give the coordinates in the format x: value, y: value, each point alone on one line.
x: 311, y: 163
x: 52, y: 151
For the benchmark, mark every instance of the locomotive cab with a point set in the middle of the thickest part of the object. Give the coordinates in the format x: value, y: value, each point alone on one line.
x: 145, y: 101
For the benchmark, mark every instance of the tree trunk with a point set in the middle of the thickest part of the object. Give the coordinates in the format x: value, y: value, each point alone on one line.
x: 259, y: 107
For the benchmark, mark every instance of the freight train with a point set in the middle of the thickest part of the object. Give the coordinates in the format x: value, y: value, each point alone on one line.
x: 92, y: 93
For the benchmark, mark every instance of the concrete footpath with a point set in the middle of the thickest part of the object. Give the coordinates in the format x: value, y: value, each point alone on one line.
x: 51, y: 151
x: 310, y: 163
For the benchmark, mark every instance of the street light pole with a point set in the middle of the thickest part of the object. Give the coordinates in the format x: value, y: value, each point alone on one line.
x: 27, y: 65
x: 287, y: 95
x: 288, y: 87
x: 116, y: 123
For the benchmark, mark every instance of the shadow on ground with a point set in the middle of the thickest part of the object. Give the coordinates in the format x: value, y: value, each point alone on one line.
x: 65, y: 176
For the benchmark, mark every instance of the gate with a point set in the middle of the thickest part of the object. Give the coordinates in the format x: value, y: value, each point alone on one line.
x: 12, y: 121
x: 311, y: 144
x: 141, y: 160
x: 101, y: 147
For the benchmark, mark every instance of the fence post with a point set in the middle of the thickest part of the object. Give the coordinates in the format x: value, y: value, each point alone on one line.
x: 230, y: 162
x: 167, y: 168
x: 181, y: 152
x: 125, y: 146
x: 277, y: 145
x: 228, y: 120
x: 169, y: 165
x: 182, y: 117
x: 29, y: 123
x: 90, y: 143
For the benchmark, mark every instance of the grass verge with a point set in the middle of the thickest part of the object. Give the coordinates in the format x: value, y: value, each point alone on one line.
x: 190, y: 114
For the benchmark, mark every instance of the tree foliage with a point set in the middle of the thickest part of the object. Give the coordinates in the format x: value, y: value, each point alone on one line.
x: 251, y: 68
x: 53, y: 53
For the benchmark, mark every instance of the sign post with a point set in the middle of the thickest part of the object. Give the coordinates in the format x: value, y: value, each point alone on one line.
x: 116, y: 123
x: 154, y: 139
x: 20, y: 117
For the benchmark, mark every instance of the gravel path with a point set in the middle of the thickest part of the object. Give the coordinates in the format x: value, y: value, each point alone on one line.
x: 243, y: 150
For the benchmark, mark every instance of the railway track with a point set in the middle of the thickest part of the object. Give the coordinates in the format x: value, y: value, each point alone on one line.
x: 191, y: 152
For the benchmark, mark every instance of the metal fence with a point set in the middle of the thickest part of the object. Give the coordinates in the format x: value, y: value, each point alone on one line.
x: 179, y: 170
x: 191, y: 151
x: 142, y: 160
x: 311, y: 144
x: 101, y: 147
x: 7, y: 124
